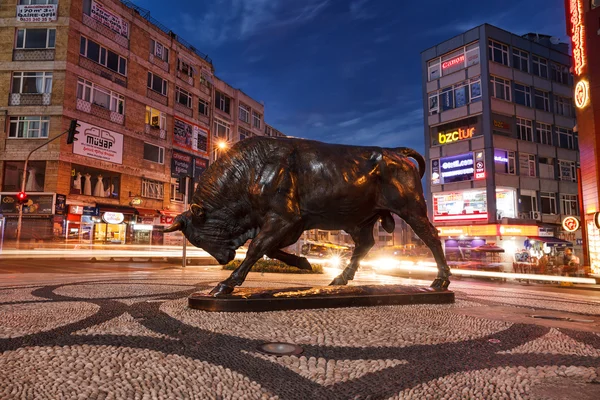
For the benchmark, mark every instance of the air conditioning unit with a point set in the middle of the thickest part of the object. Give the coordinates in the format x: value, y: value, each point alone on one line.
x: 536, y: 215
x: 524, y: 215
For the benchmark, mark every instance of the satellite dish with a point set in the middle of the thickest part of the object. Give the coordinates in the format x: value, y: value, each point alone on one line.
x: 554, y: 40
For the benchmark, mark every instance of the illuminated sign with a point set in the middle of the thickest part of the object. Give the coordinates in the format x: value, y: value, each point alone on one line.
x: 501, y: 159
x: 597, y: 219
x: 457, y: 60
x: 501, y: 124
x: 455, y: 136
x: 457, y: 168
x: 582, y: 94
x: 113, y: 217
x: 453, y: 230
x: 577, y: 35
x: 570, y: 224
x: 468, y: 205
x: 489, y: 230
x: 479, y: 165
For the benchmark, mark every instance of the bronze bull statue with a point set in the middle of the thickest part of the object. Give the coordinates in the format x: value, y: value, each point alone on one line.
x: 271, y: 190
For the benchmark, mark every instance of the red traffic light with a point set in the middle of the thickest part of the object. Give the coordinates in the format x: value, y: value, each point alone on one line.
x: 22, y: 197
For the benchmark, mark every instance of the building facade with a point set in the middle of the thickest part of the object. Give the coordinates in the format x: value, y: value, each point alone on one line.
x: 583, y: 27
x: 150, y: 112
x: 500, y: 143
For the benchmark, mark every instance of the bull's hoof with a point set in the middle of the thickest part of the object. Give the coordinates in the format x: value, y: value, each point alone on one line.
x: 304, y: 264
x: 339, y: 280
x: 221, y: 290
x: 440, y: 284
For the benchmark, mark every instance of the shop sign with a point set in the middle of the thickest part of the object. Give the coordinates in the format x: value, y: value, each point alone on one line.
x: 456, y: 168
x: 107, y: 18
x: 190, y: 137
x: 501, y: 125
x: 518, y: 230
x: 546, y: 232
x: 435, y: 172
x: 91, y: 211
x: 456, y: 135
x: 37, y: 13
x: 60, y: 205
x: 99, y: 143
x: 136, y: 201
x: 455, y: 61
x: 39, y: 204
x: 577, y: 35
x: 453, y: 230
x: 479, y: 165
x: 570, y: 224
x: 113, y: 217
x: 181, y: 164
x: 582, y: 94
x: 165, y: 220
x: 468, y: 205
x: 200, y: 165
x: 76, y: 210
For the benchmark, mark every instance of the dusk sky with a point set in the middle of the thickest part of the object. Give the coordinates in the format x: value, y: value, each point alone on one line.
x: 340, y: 71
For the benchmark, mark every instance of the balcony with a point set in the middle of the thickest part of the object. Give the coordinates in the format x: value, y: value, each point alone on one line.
x: 184, y: 110
x: 184, y: 77
x: 100, y: 111
x: 33, y: 55
x: 29, y: 99
x: 105, y: 31
x: 154, y: 130
x: 162, y: 64
x: 102, y: 71
x: 157, y: 97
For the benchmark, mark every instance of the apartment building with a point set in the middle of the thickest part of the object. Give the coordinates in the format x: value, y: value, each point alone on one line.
x: 500, y: 141
x: 145, y: 100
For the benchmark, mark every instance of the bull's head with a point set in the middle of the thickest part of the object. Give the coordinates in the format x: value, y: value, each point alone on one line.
x: 191, y: 223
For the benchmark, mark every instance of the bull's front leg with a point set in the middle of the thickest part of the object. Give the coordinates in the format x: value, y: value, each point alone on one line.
x: 363, y: 241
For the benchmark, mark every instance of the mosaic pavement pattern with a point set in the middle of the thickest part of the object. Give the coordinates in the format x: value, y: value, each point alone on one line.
x: 131, y: 336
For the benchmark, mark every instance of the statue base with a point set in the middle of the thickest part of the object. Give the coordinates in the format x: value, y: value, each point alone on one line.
x: 259, y: 299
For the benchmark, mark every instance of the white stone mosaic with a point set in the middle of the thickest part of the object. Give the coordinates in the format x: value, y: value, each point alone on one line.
x: 116, y: 290
x: 555, y: 342
x: 123, y: 325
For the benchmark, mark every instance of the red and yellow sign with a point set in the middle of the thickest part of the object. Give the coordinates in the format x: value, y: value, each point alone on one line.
x: 577, y: 35
x: 570, y: 224
x: 582, y: 94
x: 489, y: 230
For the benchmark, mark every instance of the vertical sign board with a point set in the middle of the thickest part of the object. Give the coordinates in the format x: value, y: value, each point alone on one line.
x: 181, y: 164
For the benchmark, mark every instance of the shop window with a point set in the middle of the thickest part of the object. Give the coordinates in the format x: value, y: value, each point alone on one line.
x: 504, y: 161
x: 88, y: 181
x: 29, y: 127
x: 525, y: 129
x: 222, y: 102
x: 500, y: 88
x: 567, y: 171
x: 153, y: 189
x: 154, y: 153
x: 546, y: 167
x: 521, y: 60
x: 527, y: 164
x: 548, y: 201
x: 506, y: 203
x: 544, y: 133
x: 522, y: 95
x: 498, y: 52
x: 36, y: 38
x: 540, y: 66
x: 569, y: 204
x: 542, y: 100
x: 13, y: 176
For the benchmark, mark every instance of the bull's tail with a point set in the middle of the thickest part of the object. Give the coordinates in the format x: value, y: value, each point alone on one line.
x: 408, y: 152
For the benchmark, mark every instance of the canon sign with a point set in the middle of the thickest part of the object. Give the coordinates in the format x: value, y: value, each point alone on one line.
x: 450, y: 63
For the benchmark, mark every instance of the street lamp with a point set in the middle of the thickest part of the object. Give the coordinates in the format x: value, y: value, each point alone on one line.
x: 221, y: 145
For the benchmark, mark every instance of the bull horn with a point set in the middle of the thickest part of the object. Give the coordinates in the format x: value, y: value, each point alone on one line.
x: 177, y: 226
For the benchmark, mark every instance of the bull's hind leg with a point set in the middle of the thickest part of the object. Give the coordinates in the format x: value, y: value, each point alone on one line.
x: 363, y: 242
x: 290, y: 259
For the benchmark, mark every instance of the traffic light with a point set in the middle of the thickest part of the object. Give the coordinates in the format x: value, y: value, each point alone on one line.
x: 22, y: 197
x: 72, y: 131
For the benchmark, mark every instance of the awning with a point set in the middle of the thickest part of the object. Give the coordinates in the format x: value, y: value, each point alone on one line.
x: 169, y: 213
x: 551, y: 241
x: 116, y: 208
x: 146, y: 212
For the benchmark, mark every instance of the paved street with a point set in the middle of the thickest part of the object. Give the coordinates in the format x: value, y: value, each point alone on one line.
x: 123, y: 331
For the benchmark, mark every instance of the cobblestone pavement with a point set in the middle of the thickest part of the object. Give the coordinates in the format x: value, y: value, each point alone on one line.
x: 130, y: 335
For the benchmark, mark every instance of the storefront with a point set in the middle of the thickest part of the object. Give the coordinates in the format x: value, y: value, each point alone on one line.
x: 38, y: 219
x: 100, y: 224
x: 143, y: 228
x: 165, y: 219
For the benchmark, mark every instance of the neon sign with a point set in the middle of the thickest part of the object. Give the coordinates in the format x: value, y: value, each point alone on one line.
x: 450, y: 63
x: 570, y: 224
x: 582, y: 94
x: 501, y: 159
x: 451, y: 137
x: 577, y: 35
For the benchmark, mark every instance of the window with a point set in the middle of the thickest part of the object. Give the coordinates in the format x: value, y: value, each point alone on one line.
x: 546, y: 167
x: 222, y: 130
x: 540, y: 66
x: 183, y: 97
x: 244, y: 134
x: 256, y: 119
x: 527, y: 164
x: 458, y: 95
x: 566, y: 139
x: 244, y: 113
x: 87, y: 181
x: 569, y: 204
x: 500, y: 88
x: 36, y: 2
x: 36, y: 38
x: 548, y: 202
x: 29, y: 127
x: 154, y: 153
x: 32, y: 82
x: 13, y: 176
x: 454, y: 61
x: 498, y: 52
x: 525, y: 129
x: 152, y: 189
x: 521, y: 60
x: 203, y: 107
x: 566, y: 171
x: 563, y: 106
x: 185, y: 68
x: 176, y: 197
x: 522, y: 95
x: 158, y: 50
x: 559, y: 73
x: 528, y: 201
x: 157, y: 83
x: 544, y: 133
x: 222, y: 102
x: 111, y: 60
x: 504, y: 161
x: 100, y: 96
x: 156, y: 118
x: 542, y: 100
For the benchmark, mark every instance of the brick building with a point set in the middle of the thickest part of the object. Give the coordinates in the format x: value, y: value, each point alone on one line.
x: 150, y: 110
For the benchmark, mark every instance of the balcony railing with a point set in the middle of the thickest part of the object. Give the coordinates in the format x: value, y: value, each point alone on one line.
x: 102, y: 71
x: 156, y: 131
x: 100, y: 111
x: 33, y: 54
x: 184, y: 77
x: 30, y: 99
x: 105, y: 31
x: 162, y: 64
x: 157, y: 97
x: 184, y: 110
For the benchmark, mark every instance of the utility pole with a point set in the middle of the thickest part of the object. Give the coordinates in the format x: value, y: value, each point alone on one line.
x: 185, y: 207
